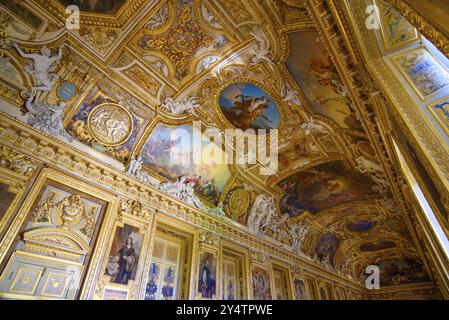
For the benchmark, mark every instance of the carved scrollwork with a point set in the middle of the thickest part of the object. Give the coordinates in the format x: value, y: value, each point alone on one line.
x: 209, y: 238
x: 17, y: 162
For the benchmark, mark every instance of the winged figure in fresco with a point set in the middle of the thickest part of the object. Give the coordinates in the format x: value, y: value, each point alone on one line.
x: 247, y: 110
x: 327, y: 75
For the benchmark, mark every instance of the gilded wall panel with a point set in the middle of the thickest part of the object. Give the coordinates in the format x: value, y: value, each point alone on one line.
x: 123, y: 265
x: 58, y: 226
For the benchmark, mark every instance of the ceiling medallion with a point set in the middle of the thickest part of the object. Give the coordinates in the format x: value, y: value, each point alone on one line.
x: 239, y: 202
x: 110, y: 124
x: 182, y: 41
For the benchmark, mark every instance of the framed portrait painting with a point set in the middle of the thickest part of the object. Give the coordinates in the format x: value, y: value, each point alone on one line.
x: 124, y: 254
x: 207, y: 275
x: 299, y: 287
x: 261, y: 282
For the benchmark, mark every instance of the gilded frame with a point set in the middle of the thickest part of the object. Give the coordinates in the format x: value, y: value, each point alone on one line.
x: 161, y: 225
x: 388, y: 48
x: 128, y: 115
x: 286, y: 271
x: 134, y: 286
x: 444, y: 123
x: 57, y: 176
x: 16, y: 185
x: 306, y: 287
x: 216, y: 252
x: 228, y: 246
x: 266, y: 88
x: 269, y: 270
x: 321, y: 285
x: 409, y: 81
x: 172, y: 123
x: 54, y: 175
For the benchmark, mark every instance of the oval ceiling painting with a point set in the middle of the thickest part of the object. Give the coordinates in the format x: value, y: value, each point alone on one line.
x: 247, y: 106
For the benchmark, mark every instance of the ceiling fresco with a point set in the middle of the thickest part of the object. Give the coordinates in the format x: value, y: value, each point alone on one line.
x: 144, y: 77
x: 315, y: 73
x: 168, y: 151
x: 247, y: 106
x: 324, y: 186
x: 96, y: 6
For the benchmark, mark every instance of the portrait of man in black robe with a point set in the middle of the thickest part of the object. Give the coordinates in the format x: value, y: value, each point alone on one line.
x: 124, y: 254
x: 206, y: 281
x: 127, y: 262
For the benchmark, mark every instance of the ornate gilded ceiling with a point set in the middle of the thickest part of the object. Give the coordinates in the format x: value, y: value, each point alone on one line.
x: 129, y: 58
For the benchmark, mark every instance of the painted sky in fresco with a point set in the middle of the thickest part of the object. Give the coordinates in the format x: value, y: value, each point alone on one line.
x: 311, y: 67
x: 232, y: 96
x: 157, y: 154
x: 324, y: 186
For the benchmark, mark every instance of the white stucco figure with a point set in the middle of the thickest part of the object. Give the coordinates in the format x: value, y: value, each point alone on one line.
x: 313, y: 127
x: 261, y: 213
x: 326, y: 263
x: 289, y: 95
x: 367, y: 166
x: 46, y: 117
x: 298, y: 234
x: 187, y: 105
x: 205, y: 63
x: 261, y: 49
x: 279, y: 226
x: 42, y: 66
x: 135, y: 165
x: 374, y: 170
x: 182, y: 190
x: 135, y: 169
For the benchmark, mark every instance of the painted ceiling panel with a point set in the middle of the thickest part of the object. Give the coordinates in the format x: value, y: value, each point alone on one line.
x: 153, y: 68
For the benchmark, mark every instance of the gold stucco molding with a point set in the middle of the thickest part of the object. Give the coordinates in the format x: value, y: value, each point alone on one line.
x: 52, y: 152
x: 425, y: 27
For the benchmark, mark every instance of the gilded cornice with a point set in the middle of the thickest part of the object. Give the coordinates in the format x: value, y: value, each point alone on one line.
x: 52, y: 152
x: 424, y: 142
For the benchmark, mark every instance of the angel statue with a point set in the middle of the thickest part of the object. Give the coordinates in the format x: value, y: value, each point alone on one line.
x: 179, y: 107
x: 46, y: 117
x: 261, y: 49
x: 313, y: 127
x: 289, y: 95
x: 135, y: 166
x: 42, y: 66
